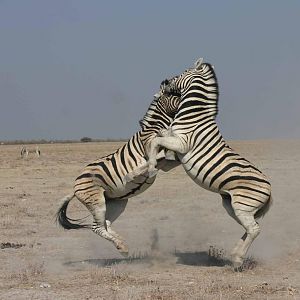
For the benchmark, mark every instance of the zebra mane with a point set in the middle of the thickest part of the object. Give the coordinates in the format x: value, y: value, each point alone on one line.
x: 207, y: 71
x: 147, y: 117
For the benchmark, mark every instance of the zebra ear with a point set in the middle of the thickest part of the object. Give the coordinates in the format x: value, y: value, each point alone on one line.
x: 198, y: 63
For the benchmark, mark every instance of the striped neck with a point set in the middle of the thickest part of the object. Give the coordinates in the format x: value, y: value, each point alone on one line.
x: 155, y: 119
x: 199, y: 94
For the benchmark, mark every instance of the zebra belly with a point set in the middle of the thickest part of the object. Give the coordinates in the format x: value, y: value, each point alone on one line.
x: 130, y: 189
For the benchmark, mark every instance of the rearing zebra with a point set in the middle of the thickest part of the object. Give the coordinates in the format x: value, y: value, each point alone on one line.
x: 102, y: 186
x: 206, y: 157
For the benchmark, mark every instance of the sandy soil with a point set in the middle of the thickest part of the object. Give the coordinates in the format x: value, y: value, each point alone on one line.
x: 169, y: 229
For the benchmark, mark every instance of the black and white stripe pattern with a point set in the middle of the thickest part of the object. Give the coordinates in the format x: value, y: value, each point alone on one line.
x: 207, y: 158
x: 102, y: 186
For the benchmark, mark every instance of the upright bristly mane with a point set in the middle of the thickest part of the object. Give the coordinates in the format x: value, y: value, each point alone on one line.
x: 211, y: 83
x: 204, y: 77
x: 147, y: 119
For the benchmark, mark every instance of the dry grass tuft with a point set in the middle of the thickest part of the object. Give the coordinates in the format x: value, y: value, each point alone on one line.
x: 108, y: 275
x: 11, y: 245
x: 28, y: 274
x: 8, y: 222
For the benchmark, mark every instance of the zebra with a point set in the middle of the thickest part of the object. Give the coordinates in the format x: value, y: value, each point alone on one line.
x: 208, y: 159
x: 102, y: 186
x: 25, y: 151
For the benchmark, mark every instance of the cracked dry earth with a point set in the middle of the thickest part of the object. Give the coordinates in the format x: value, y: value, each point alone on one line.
x: 179, y: 234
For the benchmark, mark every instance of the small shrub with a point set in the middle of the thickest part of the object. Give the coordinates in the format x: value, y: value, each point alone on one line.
x: 85, y: 139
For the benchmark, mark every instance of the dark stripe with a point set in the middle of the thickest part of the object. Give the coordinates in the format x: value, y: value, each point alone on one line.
x: 122, y: 156
x: 81, y: 183
x: 204, y: 82
x: 189, y: 103
x: 85, y: 175
x: 132, y: 155
x: 248, y: 197
x: 210, y: 123
x: 102, y: 164
x: 141, y: 146
x: 135, y: 144
x: 245, y: 204
x: 249, y: 189
x: 217, y: 163
x: 107, y: 171
x: 212, y: 156
x: 251, y: 178
x: 193, y: 123
x: 136, y: 189
x: 226, y: 168
x: 208, y: 150
x: 84, y: 189
x: 113, y: 161
x: 191, y: 113
x: 201, y: 97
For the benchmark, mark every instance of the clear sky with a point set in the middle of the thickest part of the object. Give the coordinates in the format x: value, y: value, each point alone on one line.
x: 70, y: 69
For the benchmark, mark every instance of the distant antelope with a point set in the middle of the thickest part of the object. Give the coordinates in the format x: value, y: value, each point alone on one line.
x: 25, y: 151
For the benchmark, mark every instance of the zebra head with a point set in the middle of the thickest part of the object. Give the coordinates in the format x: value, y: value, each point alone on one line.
x: 196, y: 86
x: 162, y: 109
x: 176, y: 84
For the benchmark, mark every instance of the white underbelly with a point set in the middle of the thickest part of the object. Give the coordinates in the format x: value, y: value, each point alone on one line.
x: 130, y: 189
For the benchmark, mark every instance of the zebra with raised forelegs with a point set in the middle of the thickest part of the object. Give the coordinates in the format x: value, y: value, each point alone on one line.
x: 206, y: 157
x: 102, y: 186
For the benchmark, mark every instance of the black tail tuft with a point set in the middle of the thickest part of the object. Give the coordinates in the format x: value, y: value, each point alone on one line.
x: 63, y: 220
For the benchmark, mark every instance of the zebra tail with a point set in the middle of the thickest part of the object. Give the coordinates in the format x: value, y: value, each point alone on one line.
x: 63, y: 220
x: 264, y: 209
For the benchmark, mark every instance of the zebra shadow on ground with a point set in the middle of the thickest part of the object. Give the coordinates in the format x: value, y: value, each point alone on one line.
x: 212, y: 258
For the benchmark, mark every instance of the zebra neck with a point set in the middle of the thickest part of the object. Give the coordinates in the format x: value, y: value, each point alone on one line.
x: 206, y: 133
x: 188, y: 123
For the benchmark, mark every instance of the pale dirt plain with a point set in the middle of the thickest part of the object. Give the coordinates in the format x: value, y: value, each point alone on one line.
x: 169, y: 229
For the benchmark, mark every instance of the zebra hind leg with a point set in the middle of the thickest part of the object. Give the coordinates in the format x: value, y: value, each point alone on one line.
x: 226, y: 201
x: 114, y: 208
x: 96, y: 205
x: 247, y: 220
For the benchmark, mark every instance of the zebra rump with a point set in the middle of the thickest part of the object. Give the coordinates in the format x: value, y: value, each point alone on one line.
x: 63, y: 220
x: 261, y: 212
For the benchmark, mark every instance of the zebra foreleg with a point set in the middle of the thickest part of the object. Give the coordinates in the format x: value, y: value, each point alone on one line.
x: 143, y: 169
x: 136, y: 172
x: 168, y: 154
x: 171, y: 143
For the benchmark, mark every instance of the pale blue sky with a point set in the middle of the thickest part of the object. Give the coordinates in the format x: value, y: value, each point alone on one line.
x: 70, y: 69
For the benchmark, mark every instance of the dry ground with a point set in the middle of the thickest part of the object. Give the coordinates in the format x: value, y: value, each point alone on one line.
x: 170, y: 229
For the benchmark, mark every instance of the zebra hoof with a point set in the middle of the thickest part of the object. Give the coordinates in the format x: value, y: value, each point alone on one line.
x: 237, y: 264
x: 123, y: 249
